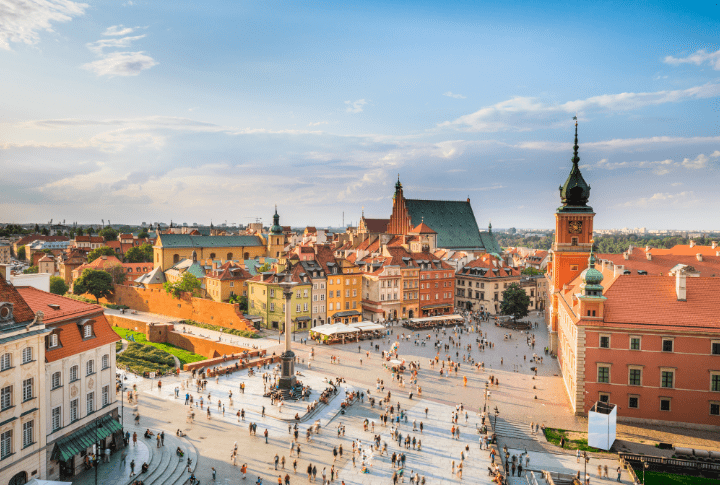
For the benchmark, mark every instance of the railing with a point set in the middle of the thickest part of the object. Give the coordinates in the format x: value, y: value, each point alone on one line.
x: 531, y: 478
x: 674, y: 462
x: 550, y: 477
x: 629, y: 468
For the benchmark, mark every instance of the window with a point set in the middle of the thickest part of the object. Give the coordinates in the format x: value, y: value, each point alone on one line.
x: 347, y: 293
x: 53, y: 341
x: 715, y: 382
x: 56, y: 412
x: 715, y: 348
x: 314, y: 310
x: 272, y: 293
x: 87, y: 331
x: 298, y: 294
x: 105, y: 361
x: 73, y: 373
x: 604, y: 341
x: 322, y: 297
x: 90, y: 367
x: 90, y: 402
x: 714, y: 409
x: 574, y: 241
x: 27, y: 434
x: 55, y: 380
x: 305, y: 307
x: 73, y: 410
x: 603, y: 374
x: 5, y: 398
x: 27, y: 355
x: 297, y: 308
x: 635, y: 377
x: 664, y: 404
x: 634, y: 343
x: 305, y: 293
x: 27, y: 389
x: 5, y: 362
x: 604, y: 397
x: 667, y: 345
x: 105, y: 395
x: 354, y: 293
x: 330, y: 306
x: 5, y: 444
x: 634, y: 402
x: 666, y: 378
x: 272, y: 307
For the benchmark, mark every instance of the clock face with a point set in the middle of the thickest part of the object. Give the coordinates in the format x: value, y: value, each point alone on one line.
x: 575, y: 227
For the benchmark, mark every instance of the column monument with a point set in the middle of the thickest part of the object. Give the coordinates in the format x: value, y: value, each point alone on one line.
x: 287, y: 379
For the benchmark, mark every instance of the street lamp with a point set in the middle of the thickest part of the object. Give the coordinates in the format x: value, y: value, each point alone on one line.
x: 98, y: 425
x: 586, y: 462
x: 646, y: 465
x: 486, y: 394
x: 496, y: 415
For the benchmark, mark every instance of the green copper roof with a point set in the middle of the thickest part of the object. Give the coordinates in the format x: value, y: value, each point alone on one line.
x: 575, y: 192
x: 187, y: 241
x: 276, y: 229
x: 454, y: 222
x: 490, y: 243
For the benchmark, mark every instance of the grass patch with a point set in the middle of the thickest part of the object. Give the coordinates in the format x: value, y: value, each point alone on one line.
x: 554, y: 435
x: 217, y: 328
x: 139, y: 358
x: 659, y: 478
x: 183, y: 355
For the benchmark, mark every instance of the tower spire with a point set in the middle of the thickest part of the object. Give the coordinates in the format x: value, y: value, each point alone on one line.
x: 576, y: 158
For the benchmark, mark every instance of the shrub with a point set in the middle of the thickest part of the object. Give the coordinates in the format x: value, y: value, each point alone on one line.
x: 217, y: 328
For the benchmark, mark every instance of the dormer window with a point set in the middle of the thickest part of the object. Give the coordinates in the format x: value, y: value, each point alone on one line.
x: 87, y: 331
x: 53, y: 340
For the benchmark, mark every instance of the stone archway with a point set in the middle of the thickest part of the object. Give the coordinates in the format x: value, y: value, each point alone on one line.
x: 19, y: 479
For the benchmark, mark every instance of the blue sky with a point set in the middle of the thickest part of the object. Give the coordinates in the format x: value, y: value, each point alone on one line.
x: 142, y: 111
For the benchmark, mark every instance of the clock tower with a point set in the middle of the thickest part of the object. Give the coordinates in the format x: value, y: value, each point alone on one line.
x: 573, y: 237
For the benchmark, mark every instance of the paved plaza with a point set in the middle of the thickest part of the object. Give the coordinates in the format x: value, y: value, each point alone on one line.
x: 514, y: 396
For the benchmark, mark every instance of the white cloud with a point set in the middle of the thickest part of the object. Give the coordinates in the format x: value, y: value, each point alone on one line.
x: 355, y: 106
x: 118, y: 30
x: 121, y: 64
x: 700, y: 161
x: 22, y: 20
x: 627, y: 144
x: 698, y: 58
x: 450, y: 94
x: 660, y: 199
x: 124, y: 42
x: 528, y: 113
x: 318, y: 123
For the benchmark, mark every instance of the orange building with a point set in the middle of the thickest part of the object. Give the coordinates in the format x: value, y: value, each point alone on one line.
x: 646, y: 340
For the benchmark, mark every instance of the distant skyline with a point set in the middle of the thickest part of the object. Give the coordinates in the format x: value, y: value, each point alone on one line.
x: 150, y: 111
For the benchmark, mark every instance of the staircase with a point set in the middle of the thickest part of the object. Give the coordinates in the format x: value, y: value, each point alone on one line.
x: 166, y: 468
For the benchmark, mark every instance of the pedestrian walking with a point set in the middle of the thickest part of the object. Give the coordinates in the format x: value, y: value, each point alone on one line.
x: 277, y: 459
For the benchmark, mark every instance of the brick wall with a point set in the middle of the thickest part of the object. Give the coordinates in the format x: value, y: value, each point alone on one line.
x: 198, y: 309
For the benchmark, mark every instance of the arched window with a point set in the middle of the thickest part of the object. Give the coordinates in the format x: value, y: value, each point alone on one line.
x: 229, y: 256
x: 212, y: 256
x: 176, y: 258
x: 246, y: 256
x: 55, y: 380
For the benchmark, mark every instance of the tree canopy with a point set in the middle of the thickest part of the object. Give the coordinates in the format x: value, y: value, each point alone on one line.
x: 98, y: 283
x: 58, y: 285
x: 101, y: 251
x: 139, y: 254
x: 515, y: 302
x: 31, y: 270
x: 264, y: 268
x: 21, y: 253
x: 117, y: 272
x: 241, y: 301
x: 188, y: 283
x: 143, y: 234
x: 108, y: 233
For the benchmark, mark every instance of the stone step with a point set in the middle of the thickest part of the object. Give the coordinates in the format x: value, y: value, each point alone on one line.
x: 166, y: 468
x: 179, y: 474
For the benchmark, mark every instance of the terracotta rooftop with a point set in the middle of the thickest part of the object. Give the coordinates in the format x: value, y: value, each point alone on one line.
x: 66, y: 309
x: 376, y: 225
x: 423, y: 228
x: 662, y: 263
x: 685, y: 250
x: 21, y: 310
x: 39, y: 237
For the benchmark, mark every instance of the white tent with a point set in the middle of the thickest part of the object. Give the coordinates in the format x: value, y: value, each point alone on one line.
x: 35, y: 481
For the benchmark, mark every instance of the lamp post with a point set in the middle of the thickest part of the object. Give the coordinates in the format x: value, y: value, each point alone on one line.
x: 646, y: 465
x: 585, y: 457
x: 486, y: 394
x: 98, y: 425
x: 496, y: 415
x: 287, y: 379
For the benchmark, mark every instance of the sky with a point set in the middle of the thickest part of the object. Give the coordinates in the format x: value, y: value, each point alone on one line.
x: 140, y: 111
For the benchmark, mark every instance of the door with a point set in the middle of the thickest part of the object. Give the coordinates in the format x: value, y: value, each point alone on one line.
x: 19, y: 479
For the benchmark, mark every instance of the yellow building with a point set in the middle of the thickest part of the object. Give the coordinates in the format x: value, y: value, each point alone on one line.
x: 344, y: 286
x: 226, y: 281
x: 170, y: 249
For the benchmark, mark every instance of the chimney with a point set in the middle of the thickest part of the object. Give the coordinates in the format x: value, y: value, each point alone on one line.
x: 619, y: 268
x: 647, y: 248
x: 680, y: 283
x: 626, y: 254
x: 714, y: 244
x: 630, y: 248
x: 648, y: 256
x: 699, y: 256
x: 692, y: 244
x: 215, y: 265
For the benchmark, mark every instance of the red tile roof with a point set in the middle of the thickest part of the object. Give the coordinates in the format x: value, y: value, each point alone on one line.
x: 72, y: 342
x: 423, y: 228
x: 68, y: 309
x: 685, y: 250
x: 663, y: 263
x: 39, y: 237
x: 377, y: 225
x: 652, y: 300
x: 90, y: 239
x: 21, y: 310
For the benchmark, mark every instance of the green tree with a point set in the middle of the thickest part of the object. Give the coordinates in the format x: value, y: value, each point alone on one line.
x: 117, y: 272
x: 512, y: 230
x: 58, y: 285
x: 31, y: 270
x: 264, y: 268
x: 109, y: 234
x: 241, y: 301
x: 45, y: 231
x: 37, y: 228
x: 79, y: 231
x: 515, y: 302
x: 188, y: 283
x: 21, y: 253
x: 531, y: 271
x: 96, y: 282
x: 139, y: 254
x: 144, y: 234
x: 101, y: 251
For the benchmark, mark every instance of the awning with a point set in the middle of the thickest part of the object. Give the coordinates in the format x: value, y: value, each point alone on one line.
x: 302, y: 319
x: 439, y: 305
x: 69, y: 446
x: 351, y: 313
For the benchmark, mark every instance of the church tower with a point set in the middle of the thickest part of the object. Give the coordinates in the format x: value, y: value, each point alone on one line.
x: 276, y: 238
x: 400, y: 219
x: 573, y: 237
